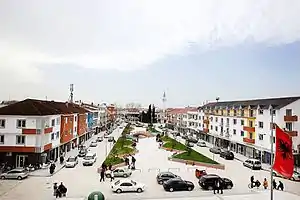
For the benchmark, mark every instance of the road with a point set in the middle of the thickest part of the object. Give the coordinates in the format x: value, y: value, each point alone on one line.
x: 149, y: 161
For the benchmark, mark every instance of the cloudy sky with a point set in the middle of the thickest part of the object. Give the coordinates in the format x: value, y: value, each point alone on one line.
x: 134, y: 50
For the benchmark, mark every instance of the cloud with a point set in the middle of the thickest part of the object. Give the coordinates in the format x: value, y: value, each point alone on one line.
x: 133, y: 34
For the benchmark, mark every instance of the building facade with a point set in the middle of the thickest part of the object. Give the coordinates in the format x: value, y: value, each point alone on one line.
x: 32, y: 131
x: 245, y: 126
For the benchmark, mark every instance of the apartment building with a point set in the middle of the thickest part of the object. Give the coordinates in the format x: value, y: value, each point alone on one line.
x: 33, y: 130
x: 245, y: 126
x: 182, y: 119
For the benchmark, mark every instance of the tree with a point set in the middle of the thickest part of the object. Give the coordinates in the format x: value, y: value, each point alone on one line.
x: 149, y: 113
x: 153, y: 115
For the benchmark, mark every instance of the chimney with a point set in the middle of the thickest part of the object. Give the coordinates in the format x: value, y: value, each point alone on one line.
x: 67, y: 104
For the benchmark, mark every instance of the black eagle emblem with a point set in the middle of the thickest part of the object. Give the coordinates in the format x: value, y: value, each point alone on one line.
x: 285, y: 150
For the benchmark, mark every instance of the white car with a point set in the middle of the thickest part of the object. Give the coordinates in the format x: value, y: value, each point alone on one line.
x: 93, y: 144
x: 295, y: 176
x: 127, y: 185
x: 71, y: 162
x: 89, y: 159
x: 201, y: 144
x: 252, y: 164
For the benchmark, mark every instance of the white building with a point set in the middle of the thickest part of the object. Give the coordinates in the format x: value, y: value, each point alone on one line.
x: 245, y: 126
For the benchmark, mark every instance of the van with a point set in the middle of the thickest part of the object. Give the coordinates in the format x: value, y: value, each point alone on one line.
x: 252, y: 164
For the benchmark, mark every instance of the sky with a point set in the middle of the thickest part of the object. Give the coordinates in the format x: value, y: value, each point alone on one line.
x: 122, y: 51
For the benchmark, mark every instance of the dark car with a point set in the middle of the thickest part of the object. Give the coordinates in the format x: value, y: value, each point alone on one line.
x: 215, y: 150
x: 82, y: 152
x: 228, y: 155
x: 207, y: 182
x: 177, y: 184
x: 165, y: 176
x: 99, y: 139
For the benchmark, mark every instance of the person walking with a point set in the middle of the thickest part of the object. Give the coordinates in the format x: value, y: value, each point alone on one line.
x: 133, y: 160
x: 112, y: 176
x: 102, y: 174
x: 274, y: 184
x: 265, y: 183
x: 280, y: 186
x: 218, y: 186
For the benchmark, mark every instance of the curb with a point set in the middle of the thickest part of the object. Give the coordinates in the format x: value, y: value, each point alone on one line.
x: 195, y: 163
x: 49, y: 175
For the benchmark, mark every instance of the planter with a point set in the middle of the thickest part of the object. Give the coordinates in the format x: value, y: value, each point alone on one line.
x: 172, y: 150
x: 125, y: 155
x: 195, y: 163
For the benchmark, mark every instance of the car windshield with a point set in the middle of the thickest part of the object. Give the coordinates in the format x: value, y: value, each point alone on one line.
x: 133, y: 183
x: 88, y: 157
x: 117, y: 182
x: 71, y: 159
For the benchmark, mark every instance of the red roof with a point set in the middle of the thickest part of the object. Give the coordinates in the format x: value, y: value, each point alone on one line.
x: 181, y: 110
x: 34, y: 107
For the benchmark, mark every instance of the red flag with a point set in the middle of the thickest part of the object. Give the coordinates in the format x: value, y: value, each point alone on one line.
x: 284, y: 159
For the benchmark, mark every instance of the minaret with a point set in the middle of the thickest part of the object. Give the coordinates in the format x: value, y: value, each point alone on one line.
x: 71, y: 93
x: 164, y: 100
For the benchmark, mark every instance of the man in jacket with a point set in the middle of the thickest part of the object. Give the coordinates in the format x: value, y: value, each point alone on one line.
x: 218, y: 186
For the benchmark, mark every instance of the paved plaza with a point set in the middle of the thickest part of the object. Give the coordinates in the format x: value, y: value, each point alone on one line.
x: 81, y: 180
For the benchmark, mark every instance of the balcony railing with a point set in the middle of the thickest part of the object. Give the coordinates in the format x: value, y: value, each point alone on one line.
x: 291, y: 118
x: 249, y: 140
x: 292, y: 133
x: 249, y: 129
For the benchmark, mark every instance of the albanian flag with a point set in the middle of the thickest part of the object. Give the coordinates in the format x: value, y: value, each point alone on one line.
x: 284, y: 159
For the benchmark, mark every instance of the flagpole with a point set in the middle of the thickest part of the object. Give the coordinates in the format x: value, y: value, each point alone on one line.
x: 272, y: 151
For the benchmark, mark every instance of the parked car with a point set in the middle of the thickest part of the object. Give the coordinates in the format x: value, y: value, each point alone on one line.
x: 82, y: 152
x: 177, y: 184
x: 207, y: 182
x: 18, y: 173
x: 110, y: 139
x: 126, y: 185
x: 184, y: 137
x: 119, y: 172
x: 165, y: 176
x: 252, y: 164
x: 89, y: 159
x: 192, y: 139
x: 71, y: 162
x: 94, y: 144
x: 201, y: 144
x: 295, y: 176
x: 189, y: 144
x: 99, y: 139
x: 215, y: 150
x: 228, y: 155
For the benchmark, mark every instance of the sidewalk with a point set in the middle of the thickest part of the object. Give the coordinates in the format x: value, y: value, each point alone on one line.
x: 73, y: 152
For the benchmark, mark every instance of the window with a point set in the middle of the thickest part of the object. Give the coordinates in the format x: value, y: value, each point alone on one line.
x: 234, y: 121
x: 242, y: 113
x: 234, y: 132
x: 53, y: 122
x: 2, y: 123
x: 57, y: 135
x: 234, y: 112
x: 261, y: 111
x: 216, y: 119
x: 260, y: 124
x: 58, y: 121
x: 21, y: 123
x: 289, y: 126
x: 20, y: 139
x: 274, y: 112
x: 211, y: 127
x: 251, y: 114
x: 216, y: 128
x: 1, y: 139
x: 75, y: 130
x: 288, y: 112
x: 52, y: 136
x: 75, y: 119
x: 228, y: 112
x: 250, y: 123
x: 260, y: 136
x: 250, y: 135
x: 242, y: 122
x: 227, y: 120
x: 66, y: 120
x: 242, y: 133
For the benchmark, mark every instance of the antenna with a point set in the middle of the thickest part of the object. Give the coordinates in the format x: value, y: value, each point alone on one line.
x: 71, y: 92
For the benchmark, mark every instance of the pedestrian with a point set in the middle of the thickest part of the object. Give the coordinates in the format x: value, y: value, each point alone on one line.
x: 252, y: 181
x: 218, y: 186
x: 127, y: 161
x: 112, y: 176
x: 54, y: 189
x: 274, y: 184
x: 280, y: 186
x: 102, y: 173
x: 265, y: 183
x: 133, y: 160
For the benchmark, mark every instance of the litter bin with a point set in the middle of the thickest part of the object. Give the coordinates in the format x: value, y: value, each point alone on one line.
x: 97, y: 195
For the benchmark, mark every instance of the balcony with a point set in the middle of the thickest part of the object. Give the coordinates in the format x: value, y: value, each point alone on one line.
x: 249, y: 129
x: 249, y: 140
x: 292, y: 133
x: 205, y: 130
x: 206, y: 121
x: 291, y: 118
